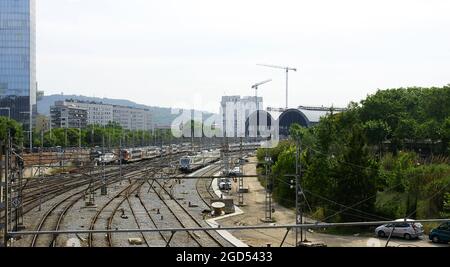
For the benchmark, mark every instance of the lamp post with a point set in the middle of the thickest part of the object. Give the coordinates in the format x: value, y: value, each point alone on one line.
x: 79, y: 133
x: 30, y: 128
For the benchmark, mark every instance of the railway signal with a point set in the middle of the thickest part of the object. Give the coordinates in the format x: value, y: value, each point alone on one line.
x: 16, y: 202
x: 287, y: 69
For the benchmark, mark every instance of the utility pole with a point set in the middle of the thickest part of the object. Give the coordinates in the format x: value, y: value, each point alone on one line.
x: 103, y: 189
x: 120, y: 159
x: 40, y: 170
x: 30, y: 128
x: 7, y: 150
x: 287, y: 69
x: 240, y: 178
x: 79, y: 134
x: 65, y: 137
x: 19, y: 197
x: 6, y: 199
x: 3, y: 152
x: 268, y: 197
x: 298, y: 192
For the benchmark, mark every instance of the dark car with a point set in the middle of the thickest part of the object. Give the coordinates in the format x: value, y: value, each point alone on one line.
x: 441, y: 234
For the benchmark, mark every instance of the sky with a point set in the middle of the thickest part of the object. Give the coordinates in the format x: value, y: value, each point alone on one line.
x: 188, y: 54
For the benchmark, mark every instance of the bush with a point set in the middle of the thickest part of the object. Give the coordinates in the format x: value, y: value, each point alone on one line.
x: 390, y: 205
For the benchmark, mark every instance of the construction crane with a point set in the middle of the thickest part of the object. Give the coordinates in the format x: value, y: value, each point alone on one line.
x: 287, y: 69
x: 255, y: 86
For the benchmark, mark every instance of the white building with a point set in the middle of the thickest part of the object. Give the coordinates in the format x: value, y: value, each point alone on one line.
x: 101, y: 114
x: 235, y: 111
x: 98, y: 113
x: 64, y: 115
x: 132, y: 118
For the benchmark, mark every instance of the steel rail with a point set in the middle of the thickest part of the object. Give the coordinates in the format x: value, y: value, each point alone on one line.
x: 234, y: 228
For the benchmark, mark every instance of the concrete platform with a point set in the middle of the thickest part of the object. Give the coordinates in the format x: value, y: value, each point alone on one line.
x: 214, y: 224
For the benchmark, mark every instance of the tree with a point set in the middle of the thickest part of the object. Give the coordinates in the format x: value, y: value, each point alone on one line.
x: 285, y: 165
x: 446, y: 212
x: 14, y: 128
x: 446, y: 136
x: 356, y: 177
x: 376, y: 131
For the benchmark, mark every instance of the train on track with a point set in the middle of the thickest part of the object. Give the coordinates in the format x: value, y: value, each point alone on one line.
x: 236, y: 147
x: 192, y: 163
x: 145, y: 153
x: 129, y: 155
x: 187, y: 164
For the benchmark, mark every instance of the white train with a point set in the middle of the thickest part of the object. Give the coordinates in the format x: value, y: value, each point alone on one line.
x: 192, y: 163
x: 107, y: 158
x: 236, y: 147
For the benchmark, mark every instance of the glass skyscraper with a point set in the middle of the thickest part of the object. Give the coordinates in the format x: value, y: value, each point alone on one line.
x: 18, y: 59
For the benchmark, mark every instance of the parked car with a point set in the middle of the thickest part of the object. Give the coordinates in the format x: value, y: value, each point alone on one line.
x: 408, y: 229
x: 235, y: 172
x: 224, y: 184
x: 441, y: 234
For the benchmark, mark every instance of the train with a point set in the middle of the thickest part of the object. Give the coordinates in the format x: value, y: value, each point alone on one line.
x: 236, y: 147
x: 144, y: 153
x: 187, y: 163
x: 192, y: 163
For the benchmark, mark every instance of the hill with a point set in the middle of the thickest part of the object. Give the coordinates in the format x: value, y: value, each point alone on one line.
x: 161, y: 115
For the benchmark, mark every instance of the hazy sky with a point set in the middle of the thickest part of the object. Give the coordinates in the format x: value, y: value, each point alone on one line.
x: 190, y: 53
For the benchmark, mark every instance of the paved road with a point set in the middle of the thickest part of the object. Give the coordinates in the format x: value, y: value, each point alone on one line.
x: 364, y: 241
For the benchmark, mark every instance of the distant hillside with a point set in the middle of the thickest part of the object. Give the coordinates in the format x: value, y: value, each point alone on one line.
x: 161, y: 116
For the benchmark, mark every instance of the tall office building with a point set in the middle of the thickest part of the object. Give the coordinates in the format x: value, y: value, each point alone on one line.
x: 18, y: 59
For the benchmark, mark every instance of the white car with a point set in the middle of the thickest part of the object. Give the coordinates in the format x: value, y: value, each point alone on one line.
x: 235, y: 172
x: 225, y: 186
x: 408, y: 229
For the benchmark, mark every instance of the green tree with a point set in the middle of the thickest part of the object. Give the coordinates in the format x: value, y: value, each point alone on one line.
x: 14, y: 128
x: 282, y: 191
x: 446, y: 136
x: 446, y: 212
x: 376, y: 131
x: 356, y: 177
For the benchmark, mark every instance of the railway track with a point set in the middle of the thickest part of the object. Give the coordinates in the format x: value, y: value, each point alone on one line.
x: 52, y: 219
x: 174, y: 212
x: 54, y: 216
x: 95, y: 220
x: 141, y: 208
x: 112, y: 206
x: 58, y: 186
x: 186, y: 219
x: 204, y: 188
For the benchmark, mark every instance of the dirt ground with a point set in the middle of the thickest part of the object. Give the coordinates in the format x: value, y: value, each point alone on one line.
x: 253, y: 209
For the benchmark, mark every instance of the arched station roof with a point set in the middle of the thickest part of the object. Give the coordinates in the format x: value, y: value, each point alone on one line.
x: 257, y: 116
x: 289, y: 117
